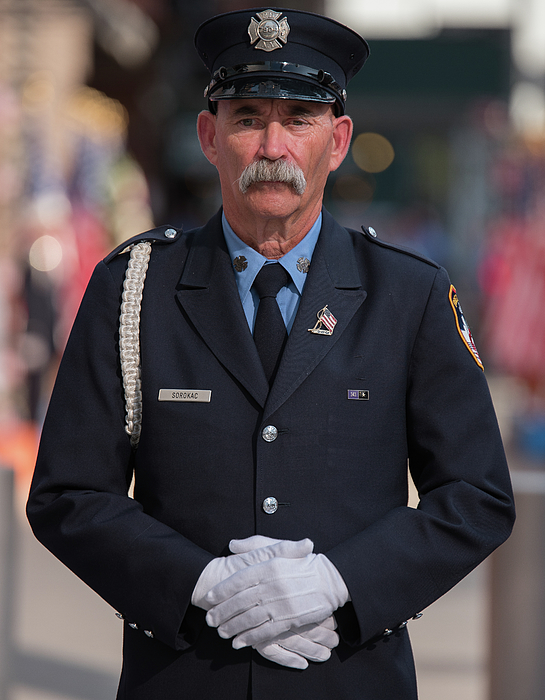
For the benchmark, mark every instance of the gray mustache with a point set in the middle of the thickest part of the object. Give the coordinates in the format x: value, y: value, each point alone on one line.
x: 272, y: 171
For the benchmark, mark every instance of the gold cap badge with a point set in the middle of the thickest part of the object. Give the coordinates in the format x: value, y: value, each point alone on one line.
x: 269, y: 32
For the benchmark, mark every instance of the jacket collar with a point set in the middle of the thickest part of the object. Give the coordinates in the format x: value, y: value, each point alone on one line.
x: 208, y: 294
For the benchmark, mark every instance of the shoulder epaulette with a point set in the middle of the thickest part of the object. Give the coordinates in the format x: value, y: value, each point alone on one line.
x: 371, y: 235
x: 161, y: 235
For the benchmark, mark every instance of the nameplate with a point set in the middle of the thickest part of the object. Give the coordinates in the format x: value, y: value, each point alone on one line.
x: 191, y: 395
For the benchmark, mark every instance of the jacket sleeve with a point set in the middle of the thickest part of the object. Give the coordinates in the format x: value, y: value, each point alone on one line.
x: 406, y: 560
x: 79, y: 506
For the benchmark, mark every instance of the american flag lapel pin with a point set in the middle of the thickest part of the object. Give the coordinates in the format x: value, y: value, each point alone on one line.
x: 325, y: 324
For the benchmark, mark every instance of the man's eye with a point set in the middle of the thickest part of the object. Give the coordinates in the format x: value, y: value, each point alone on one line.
x: 247, y: 122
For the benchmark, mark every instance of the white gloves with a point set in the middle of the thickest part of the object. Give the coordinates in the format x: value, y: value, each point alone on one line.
x: 293, y: 648
x: 296, y: 641
x: 257, y: 549
x: 260, y: 602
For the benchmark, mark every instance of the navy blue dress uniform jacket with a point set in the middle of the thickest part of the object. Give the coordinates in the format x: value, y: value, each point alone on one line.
x: 338, y: 467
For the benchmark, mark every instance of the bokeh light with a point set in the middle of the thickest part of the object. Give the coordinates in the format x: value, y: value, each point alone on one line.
x: 354, y: 188
x: 372, y: 152
x: 45, y: 254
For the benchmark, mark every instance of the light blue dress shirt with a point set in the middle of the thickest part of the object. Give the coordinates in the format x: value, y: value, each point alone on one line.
x: 288, y: 297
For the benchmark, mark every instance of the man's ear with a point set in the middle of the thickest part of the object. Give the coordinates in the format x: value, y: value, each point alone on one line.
x: 206, y: 130
x: 342, y: 135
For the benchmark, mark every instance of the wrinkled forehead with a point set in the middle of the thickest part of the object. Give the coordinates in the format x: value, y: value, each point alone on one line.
x: 270, y: 107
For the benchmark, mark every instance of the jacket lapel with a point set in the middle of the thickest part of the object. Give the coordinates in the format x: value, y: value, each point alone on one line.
x: 333, y: 280
x: 208, y: 293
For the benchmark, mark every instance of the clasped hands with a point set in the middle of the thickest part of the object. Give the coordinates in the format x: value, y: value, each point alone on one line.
x: 276, y: 596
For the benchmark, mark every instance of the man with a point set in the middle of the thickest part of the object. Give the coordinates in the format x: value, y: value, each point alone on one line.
x: 269, y: 551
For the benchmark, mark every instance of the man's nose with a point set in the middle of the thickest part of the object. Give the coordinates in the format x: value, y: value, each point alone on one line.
x: 273, y: 142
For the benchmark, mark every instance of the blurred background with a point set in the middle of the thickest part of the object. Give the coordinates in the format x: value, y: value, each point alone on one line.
x: 98, y: 101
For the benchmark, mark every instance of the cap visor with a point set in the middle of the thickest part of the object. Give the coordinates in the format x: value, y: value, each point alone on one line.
x: 268, y: 87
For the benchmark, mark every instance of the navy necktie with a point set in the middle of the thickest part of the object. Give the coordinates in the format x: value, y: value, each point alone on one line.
x: 270, y: 332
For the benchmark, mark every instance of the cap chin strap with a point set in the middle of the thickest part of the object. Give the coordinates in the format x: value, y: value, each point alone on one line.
x: 129, y: 337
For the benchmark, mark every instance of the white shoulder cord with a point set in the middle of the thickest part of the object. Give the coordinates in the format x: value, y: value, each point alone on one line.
x: 129, y: 337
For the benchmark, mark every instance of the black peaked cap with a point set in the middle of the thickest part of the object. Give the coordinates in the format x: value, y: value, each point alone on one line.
x: 279, y: 53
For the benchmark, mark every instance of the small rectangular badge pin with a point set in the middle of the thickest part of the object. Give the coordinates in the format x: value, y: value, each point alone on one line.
x: 358, y: 394
x: 194, y: 395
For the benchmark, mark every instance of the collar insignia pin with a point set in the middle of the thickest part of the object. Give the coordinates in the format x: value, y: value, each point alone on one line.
x: 240, y: 263
x: 303, y: 265
x: 269, y: 32
x: 325, y: 318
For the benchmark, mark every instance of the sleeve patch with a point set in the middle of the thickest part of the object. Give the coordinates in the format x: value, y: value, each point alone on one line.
x: 463, y: 328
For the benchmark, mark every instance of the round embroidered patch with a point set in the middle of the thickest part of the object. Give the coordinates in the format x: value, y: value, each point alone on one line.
x: 463, y: 328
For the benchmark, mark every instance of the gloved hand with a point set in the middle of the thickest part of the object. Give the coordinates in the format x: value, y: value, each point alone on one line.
x: 255, y: 542
x: 293, y: 648
x: 260, y: 602
x: 258, y: 549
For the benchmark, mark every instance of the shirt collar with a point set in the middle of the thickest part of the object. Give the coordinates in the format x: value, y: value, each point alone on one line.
x: 254, y: 261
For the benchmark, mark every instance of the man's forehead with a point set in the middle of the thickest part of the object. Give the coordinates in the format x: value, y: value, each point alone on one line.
x: 256, y: 106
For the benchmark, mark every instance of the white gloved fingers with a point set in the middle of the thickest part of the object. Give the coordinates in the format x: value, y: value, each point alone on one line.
x: 330, y: 623
x: 292, y: 648
x: 257, y: 603
x: 321, y: 634
x: 285, y: 549
x: 254, y: 619
x: 291, y: 549
x: 267, y: 630
x: 300, y: 642
x: 249, y: 543
x: 283, y: 657
x: 296, y: 644
x: 273, y: 570
x: 212, y: 574
x: 279, y: 596
x: 222, y: 568
x: 247, y: 592
x: 244, y: 612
